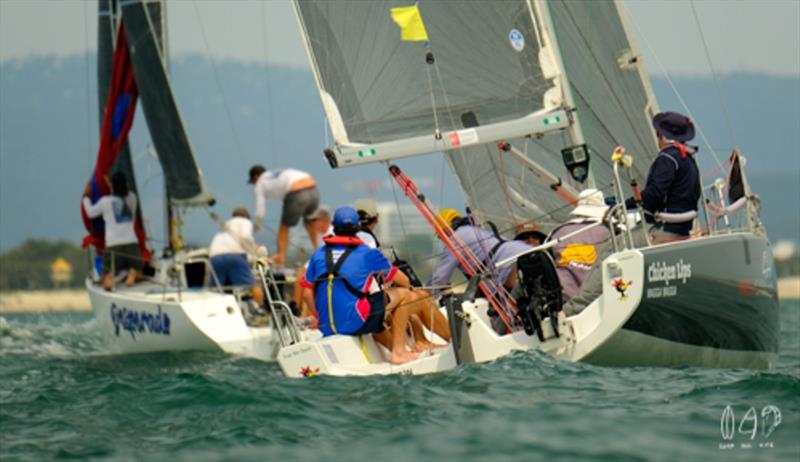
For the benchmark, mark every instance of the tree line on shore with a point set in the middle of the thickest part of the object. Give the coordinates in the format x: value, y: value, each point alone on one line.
x: 28, y: 266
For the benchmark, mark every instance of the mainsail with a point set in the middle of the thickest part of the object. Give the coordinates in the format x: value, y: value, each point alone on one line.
x: 184, y: 181
x: 566, y: 68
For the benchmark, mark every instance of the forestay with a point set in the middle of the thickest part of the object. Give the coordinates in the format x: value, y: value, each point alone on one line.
x: 184, y: 180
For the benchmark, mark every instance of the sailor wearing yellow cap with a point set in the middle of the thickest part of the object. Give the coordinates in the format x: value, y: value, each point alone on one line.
x: 485, y: 245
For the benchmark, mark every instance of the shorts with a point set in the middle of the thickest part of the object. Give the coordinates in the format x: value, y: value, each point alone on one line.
x: 296, y: 204
x: 374, y: 322
x: 232, y: 269
x: 125, y: 256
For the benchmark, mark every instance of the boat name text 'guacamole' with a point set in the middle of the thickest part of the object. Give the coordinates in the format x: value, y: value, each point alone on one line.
x: 661, y: 271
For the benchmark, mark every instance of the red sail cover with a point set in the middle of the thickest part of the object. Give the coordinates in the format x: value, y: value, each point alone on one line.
x: 117, y: 121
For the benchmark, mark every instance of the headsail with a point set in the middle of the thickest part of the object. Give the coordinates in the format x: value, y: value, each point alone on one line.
x: 481, y: 63
x: 184, y: 180
x: 553, y: 65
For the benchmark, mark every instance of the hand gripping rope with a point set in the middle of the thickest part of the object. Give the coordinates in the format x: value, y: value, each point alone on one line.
x: 505, y: 307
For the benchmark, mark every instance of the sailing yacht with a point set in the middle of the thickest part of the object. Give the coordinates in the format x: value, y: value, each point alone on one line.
x: 528, y: 100
x: 182, y: 305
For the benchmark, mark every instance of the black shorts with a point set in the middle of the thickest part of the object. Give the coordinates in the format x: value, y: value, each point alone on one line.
x: 374, y: 323
x: 124, y: 256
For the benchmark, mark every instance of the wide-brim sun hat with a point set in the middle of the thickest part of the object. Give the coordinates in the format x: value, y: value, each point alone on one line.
x: 674, y: 126
x: 368, y: 206
x: 591, y: 203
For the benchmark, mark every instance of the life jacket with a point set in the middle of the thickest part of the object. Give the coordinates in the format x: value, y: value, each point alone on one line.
x: 333, y: 270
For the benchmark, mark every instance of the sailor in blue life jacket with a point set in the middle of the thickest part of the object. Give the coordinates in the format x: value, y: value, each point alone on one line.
x: 368, y: 220
x: 344, y: 275
x: 673, y: 183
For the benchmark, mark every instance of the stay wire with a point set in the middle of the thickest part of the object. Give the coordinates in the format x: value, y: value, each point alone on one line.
x: 678, y: 95
x: 270, y: 129
x: 717, y: 88
x: 239, y: 149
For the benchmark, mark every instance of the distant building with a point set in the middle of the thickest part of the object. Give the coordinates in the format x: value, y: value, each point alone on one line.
x: 60, y: 272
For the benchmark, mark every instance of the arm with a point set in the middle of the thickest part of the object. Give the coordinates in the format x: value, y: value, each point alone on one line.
x: 444, y: 269
x: 261, y: 207
x: 92, y: 210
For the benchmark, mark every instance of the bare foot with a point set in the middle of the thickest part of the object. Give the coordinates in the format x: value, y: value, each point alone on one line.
x: 404, y: 357
x: 424, y: 345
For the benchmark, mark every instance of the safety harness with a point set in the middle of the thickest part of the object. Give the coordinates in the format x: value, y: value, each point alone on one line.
x: 333, y: 273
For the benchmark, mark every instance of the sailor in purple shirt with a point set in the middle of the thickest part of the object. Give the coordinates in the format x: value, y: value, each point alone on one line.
x: 483, y: 244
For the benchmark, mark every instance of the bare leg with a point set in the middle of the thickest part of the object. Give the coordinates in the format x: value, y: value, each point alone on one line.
x: 132, y: 277
x: 312, y: 233
x: 431, y: 316
x: 258, y: 294
x: 283, y: 244
x: 297, y: 290
x: 107, y: 281
x: 400, y: 311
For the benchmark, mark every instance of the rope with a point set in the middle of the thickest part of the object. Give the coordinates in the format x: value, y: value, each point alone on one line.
x: 397, y: 203
x: 678, y: 95
x: 268, y: 86
x: 239, y: 149
x: 713, y: 74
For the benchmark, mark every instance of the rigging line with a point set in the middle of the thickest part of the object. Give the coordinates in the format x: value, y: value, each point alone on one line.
x: 268, y: 107
x: 717, y: 88
x: 236, y: 140
x: 88, y: 84
x: 606, y: 80
x: 677, y: 94
x: 396, y: 202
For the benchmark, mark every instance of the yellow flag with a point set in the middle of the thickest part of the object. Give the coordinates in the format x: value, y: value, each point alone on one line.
x: 408, y: 18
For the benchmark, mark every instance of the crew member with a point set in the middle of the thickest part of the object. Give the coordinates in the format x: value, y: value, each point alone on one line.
x: 118, y: 210
x: 673, y: 183
x: 300, y: 196
x: 228, y: 252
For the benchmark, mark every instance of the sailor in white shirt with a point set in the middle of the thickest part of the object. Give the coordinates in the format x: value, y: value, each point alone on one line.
x: 118, y: 210
x: 300, y: 196
x: 228, y: 252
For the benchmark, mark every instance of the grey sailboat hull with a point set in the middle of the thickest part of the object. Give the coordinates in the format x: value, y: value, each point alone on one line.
x: 709, y: 302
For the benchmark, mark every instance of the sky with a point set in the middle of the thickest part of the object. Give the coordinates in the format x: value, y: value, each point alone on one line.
x: 759, y: 36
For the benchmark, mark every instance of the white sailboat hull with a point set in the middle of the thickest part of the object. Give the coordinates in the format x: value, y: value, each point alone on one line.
x: 146, y: 318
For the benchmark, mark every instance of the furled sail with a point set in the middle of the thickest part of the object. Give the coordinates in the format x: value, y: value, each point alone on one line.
x: 184, y: 180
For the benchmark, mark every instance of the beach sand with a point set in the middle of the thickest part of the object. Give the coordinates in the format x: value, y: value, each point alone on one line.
x: 44, y: 300
x: 78, y: 299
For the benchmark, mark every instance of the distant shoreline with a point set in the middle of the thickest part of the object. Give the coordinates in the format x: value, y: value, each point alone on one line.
x: 43, y: 301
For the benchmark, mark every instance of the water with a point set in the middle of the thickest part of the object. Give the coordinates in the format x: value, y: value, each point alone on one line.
x: 61, y: 398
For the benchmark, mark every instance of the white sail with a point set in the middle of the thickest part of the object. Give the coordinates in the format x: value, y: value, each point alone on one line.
x: 543, y: 76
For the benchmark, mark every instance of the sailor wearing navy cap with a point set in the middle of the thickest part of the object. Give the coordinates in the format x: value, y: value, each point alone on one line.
x: 673, y: 183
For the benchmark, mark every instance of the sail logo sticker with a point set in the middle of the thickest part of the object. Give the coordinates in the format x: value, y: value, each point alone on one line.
x: 516, y: 39
x: 622, y: 287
